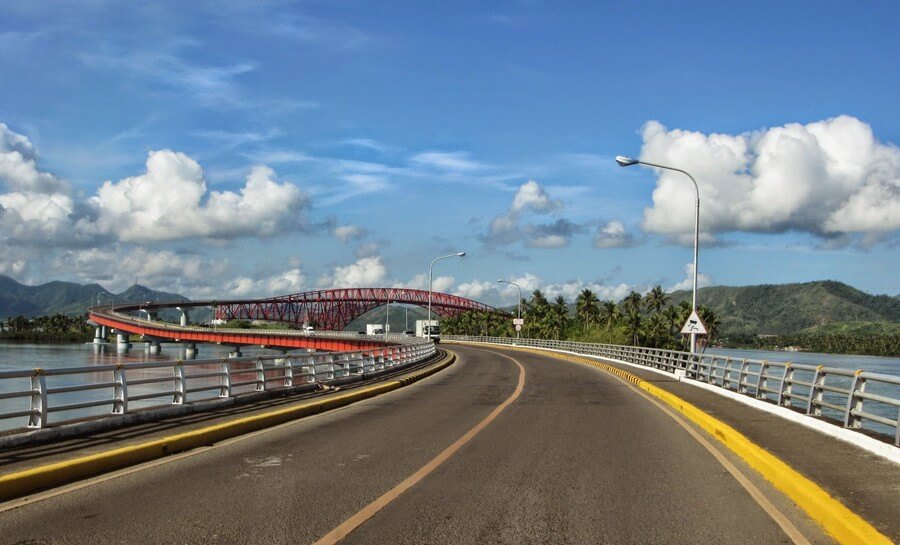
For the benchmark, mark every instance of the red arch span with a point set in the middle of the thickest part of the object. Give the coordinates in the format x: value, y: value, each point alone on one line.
x: 334, y: 309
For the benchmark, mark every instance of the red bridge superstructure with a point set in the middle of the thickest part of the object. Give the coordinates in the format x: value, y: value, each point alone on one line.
x: 335, y: 308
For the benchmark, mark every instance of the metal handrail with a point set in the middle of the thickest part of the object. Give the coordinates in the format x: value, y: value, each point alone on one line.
x: 285, y: 371
x: 843, y: 393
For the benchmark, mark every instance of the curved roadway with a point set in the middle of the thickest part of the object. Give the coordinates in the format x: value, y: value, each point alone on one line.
x: 577, y: 457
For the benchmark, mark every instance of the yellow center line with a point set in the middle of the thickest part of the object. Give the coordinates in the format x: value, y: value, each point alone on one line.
x: 368, y: 511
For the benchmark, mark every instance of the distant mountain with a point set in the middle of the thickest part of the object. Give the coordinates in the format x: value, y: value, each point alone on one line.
x: 786, y: 309
x: 68, y: 298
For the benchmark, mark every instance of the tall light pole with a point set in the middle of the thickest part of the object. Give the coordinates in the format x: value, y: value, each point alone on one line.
x: 430, y: 277
x: 625, y: 161
x: 520, y: 303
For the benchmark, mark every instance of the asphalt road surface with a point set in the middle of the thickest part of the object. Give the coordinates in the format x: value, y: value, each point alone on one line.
x: 576, y: 457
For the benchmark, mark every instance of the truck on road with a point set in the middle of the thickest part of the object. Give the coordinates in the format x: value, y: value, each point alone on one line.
x: 428, y: 329
x: 374, y: 329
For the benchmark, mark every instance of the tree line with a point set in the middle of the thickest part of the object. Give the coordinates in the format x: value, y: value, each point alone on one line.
x: 57, y: 327
x: 640, y: 320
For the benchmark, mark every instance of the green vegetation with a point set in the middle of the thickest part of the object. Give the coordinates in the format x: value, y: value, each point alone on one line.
x: 802, y: 315
x: 636, y: 320
x: 788, y: 309
x: 68, y: 298
x: 56, y: 328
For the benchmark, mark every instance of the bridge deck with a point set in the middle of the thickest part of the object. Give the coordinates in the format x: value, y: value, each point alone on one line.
x: 578, y: 458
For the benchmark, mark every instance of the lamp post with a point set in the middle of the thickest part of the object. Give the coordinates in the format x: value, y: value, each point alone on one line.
x: 625, y: 161
x: 520, y: 303
x: 430, y: 277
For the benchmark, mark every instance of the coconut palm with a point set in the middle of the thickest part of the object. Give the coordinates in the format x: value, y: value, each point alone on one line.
x: 633, y: 323
x: 632, y: 302
x: 655, y: 299
x: 558, y: 317
x: 609, y: 313
x: 587, y: 307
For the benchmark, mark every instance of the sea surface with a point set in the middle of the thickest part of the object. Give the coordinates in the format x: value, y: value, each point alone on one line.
x: 19, y: 356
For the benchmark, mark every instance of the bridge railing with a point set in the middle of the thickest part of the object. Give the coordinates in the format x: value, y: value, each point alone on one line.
x: 147, y: 385
x: 855, y: 398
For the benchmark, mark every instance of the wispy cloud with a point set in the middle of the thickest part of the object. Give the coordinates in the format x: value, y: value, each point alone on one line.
x: 209, y: 85
x: 456, y: 161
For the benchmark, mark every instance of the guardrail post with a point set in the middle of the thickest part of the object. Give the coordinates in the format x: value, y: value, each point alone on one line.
x: 225, y: 389
x: 120, y: 391
x: 855, y: 402
x: 742, y: 377
x: 38, y: 416
x: 815, y: 392
x: 288, y: 364
x: 180, y: 393
x: 329, y: 361
x: 260, y: 375
x: 762, y: 382
x: 784, y: 389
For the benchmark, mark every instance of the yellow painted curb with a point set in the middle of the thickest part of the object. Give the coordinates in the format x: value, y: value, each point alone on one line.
x: 15, y: 485
x: 840, y: 522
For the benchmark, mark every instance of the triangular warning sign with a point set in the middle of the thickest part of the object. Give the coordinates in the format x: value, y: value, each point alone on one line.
x: 694, y: 325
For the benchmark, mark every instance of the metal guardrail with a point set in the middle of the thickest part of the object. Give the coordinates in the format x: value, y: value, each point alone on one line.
x: 220, y: 377
x: 856, y: 398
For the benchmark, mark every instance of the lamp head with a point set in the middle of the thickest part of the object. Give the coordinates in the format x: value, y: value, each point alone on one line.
x: 625, y: 161
x: 461, y: 254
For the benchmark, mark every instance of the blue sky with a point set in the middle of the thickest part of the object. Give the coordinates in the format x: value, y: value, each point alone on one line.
x: 253, y: 149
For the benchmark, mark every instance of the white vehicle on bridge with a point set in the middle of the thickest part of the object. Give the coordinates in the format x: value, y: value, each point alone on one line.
x: 430, y: 329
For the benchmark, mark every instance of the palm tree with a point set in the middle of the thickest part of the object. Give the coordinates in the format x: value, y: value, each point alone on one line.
x: 632, y: 302
x: 587, y: 307
x: 655, y: 299
x: 609, y: 313
x: 711, y: 321
x: 558, y: 317
x: 535, y: 314
x: 633, y: 324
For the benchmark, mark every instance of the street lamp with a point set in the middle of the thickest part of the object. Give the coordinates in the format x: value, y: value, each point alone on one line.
x: 520, y: 303
x: 430, y: 276
x: 625, y: 161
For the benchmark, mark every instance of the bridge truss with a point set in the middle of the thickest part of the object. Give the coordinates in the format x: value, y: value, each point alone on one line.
x: 335, y: 308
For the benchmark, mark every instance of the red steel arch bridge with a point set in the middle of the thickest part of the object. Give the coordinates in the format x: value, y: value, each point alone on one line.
x: 335, y: 308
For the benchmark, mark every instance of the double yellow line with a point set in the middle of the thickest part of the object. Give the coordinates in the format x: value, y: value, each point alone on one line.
x: 15, y: 485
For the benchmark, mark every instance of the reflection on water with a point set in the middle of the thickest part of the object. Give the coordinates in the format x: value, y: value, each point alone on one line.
x: 875, y: 364
x: 18, y: 356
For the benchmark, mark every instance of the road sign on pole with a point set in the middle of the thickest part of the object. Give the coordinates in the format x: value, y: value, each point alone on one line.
x: 518, y: 321
x: 694, y: 325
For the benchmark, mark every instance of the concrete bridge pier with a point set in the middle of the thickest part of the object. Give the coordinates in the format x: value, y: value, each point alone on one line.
x: 99, y: 338
x: 122, y: 344
x: 235, y: 352
x: 153, y: 347
x: 190, y: 351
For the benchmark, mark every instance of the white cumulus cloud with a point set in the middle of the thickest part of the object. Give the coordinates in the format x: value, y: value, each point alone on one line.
x: 703, y: 280
x: 366, y: 272
x: 829, y: 178
x: 345, y: 233
x: 170, y: 201
x: 613, y: 235
x: 509, y: 228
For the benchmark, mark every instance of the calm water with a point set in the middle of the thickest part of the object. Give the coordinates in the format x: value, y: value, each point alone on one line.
x: 875, y: 364
x: 15, y: 356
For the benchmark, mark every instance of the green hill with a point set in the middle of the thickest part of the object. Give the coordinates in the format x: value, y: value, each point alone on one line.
x: 67, y: 298
x: 787, y: 309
